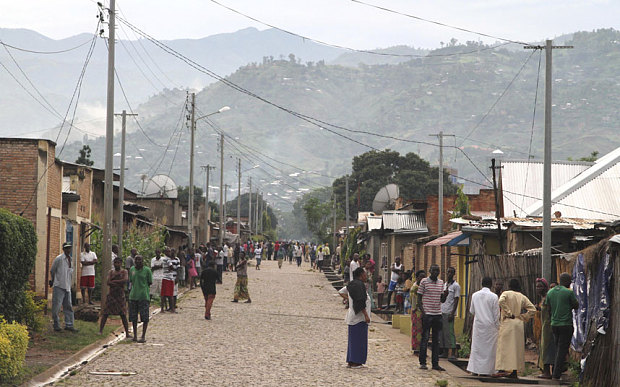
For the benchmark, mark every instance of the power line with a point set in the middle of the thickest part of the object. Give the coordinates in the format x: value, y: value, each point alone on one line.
x: 232, y: 85
x: 323, y: 43
x: 437, y: 23
x: 43, y: 52
x: 498, y: 99
x: 76, y: 90
x: 529, y: 149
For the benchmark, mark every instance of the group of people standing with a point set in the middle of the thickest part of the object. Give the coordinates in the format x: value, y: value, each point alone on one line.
x: 498, y: 339
x: 498, y: 343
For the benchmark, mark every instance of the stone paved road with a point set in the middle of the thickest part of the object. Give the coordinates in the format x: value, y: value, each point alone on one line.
x: 293, y: 334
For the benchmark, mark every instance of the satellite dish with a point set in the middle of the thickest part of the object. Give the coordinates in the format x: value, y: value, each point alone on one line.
x: 161, y: 186
x: 385, y: 199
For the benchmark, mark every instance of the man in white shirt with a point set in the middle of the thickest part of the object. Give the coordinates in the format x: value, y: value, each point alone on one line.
x: 485, y: 308
x: 60, y: 280
x: 157, y: 268
x: 451, y: 294
x: 88, y: 259
x: 353, y: 265
x: 397, y: 268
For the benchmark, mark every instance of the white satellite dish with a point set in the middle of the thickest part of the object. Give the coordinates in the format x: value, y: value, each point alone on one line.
x: 161, y: 186
x: 385, y: 199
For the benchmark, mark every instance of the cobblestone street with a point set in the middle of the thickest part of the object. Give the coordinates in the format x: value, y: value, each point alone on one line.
x: 292, y: 334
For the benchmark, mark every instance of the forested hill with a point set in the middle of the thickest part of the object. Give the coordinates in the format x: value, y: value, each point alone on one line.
x: 470, y: 90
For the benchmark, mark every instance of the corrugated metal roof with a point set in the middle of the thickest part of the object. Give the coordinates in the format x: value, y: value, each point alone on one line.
x: 404, y: 221
x: 593, y: 194
x: 374, y: 222
x: 520, y: 193
x: 444, y: 239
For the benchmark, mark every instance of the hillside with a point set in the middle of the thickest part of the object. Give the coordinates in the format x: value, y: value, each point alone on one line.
x: 409, y: 100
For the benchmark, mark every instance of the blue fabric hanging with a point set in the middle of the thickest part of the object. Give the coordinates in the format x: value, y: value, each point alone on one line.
x: 580, y: 316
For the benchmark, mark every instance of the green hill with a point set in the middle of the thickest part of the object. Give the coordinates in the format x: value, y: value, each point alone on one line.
x: 447, y: 90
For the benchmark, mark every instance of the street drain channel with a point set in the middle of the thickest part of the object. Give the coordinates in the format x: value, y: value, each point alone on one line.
x: 112, y: 373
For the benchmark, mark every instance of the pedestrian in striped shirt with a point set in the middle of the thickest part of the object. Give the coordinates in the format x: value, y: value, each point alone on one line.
x: 430, y: 297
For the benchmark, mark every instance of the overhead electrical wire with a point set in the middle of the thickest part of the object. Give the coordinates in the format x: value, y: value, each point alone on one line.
x: 498, y: 99
x: 232, y: 85
x: 43, y: 52
x: 323, y: 43
x: 438, y: 23
x: 75, y: 96
x: 529, y: 149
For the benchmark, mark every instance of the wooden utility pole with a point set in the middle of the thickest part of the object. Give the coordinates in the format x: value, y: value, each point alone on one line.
x: 250, y: 209
x: 222, y: 227
x: 497, y: 209
x: 108, y: 195
x: 207, y: 168
x: 121, y: 186
x: 346, y: 205
x: 239, y: 198
x: 440, y: 135
x: 546, y: 234
x: 190, y: 204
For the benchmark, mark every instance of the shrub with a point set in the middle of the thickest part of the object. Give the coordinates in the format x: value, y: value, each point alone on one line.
x: 13, y: 346
x: 18, y: 243
x: 465, y: 343
x: 31, y: 312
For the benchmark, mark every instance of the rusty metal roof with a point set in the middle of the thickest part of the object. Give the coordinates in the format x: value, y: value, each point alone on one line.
x: 404, y: 221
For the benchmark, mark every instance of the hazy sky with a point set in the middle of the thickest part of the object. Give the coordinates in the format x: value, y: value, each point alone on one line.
x: 341, y: 22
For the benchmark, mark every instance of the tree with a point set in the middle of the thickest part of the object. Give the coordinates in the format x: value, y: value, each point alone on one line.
x: 84, y: 158
x: 318, y: 217
x: 183, y: 195
x: 461, y: 204
x: 373, y: 170
x: 592, y: 158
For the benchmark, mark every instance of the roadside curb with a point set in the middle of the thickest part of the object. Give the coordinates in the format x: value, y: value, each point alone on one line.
x: 85, y: 355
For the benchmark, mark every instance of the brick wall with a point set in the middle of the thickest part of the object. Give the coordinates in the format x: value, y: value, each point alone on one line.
x: 484, y: 201
x: 18, y: 173
x: 54, y: 181
x: 84, y: 190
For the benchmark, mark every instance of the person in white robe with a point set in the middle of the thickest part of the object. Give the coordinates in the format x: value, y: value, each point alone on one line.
x: 485, y: 308
x: 516, y: 309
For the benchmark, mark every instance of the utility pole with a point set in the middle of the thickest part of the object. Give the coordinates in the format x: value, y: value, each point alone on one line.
x: 334, y: 235
x: 346, y: 205
x: 207, y: 168
x: 440, y: 135
x: 222, y: 228
x: 256, y: 209
x: 497, y: 209
x: 250, y: 209
x: 262, y: 212
x: 190, y: 204
x: 226, y: 186
x: 239, y: 197
x: 108, y: 201
x: 121, y: 186
x: 546, y: 237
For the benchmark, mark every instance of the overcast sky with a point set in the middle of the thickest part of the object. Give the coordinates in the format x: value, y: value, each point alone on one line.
x: 341, y: 22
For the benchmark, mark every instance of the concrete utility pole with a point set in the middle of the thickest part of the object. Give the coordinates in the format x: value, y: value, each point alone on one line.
x: 239, y: 197
x: 190, y: 204
x: 262, y: 212
x: 497, y: 209
x: 440, y: 135
x: 346, y: 205
x: 121, y: 186
x: 546, y: 237
x: 250, y: 208
x: 222, y: 227
x: 256, y: 209
x: 108, y: 196
x: 207, y: 168
x: 334, y: 234
x: 226, y: 186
